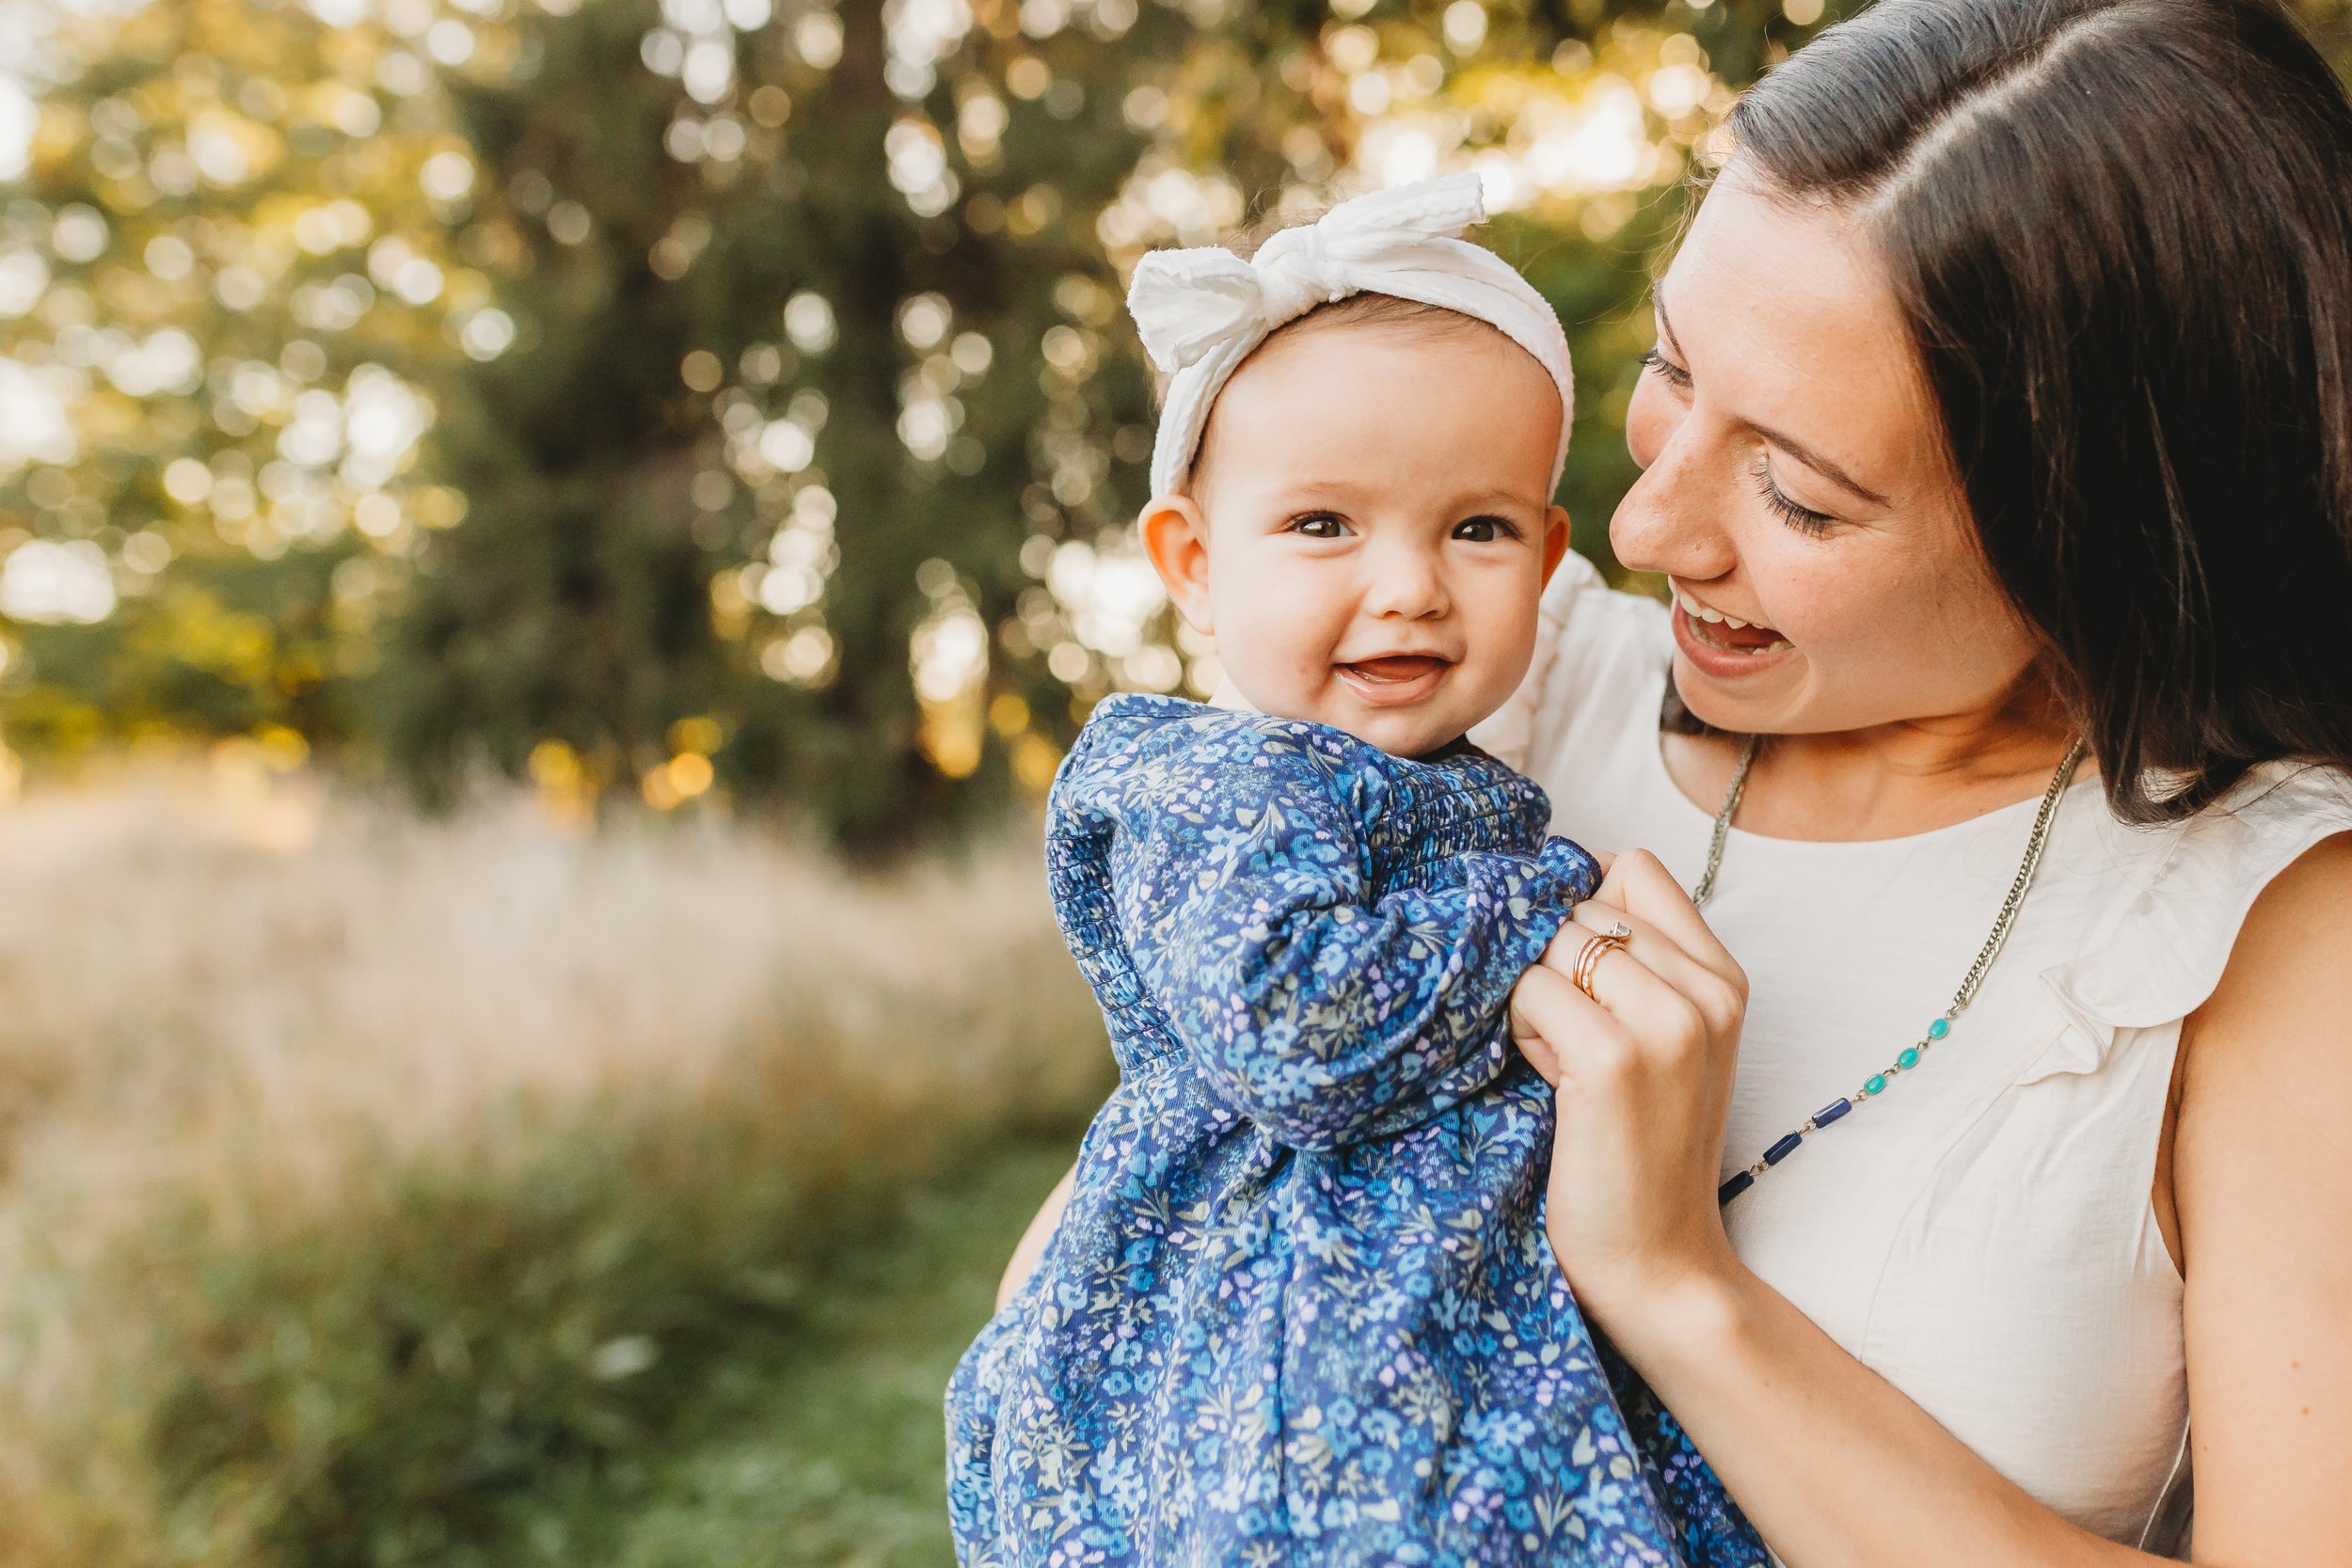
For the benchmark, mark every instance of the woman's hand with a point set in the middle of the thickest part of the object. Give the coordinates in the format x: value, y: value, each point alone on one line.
x: 1643, y: 1075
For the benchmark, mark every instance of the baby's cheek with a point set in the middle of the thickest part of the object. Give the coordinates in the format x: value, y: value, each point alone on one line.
x: 1503, y: 637
x: 1487, y: 679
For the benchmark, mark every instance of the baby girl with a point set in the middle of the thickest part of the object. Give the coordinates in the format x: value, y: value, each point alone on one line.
x: 1300, y: 1308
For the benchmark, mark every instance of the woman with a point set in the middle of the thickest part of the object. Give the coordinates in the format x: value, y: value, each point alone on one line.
x: 2002, y: 401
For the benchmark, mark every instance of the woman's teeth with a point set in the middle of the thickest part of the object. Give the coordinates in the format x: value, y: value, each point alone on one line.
x: 1713, y: 617
x: 1762, y: 639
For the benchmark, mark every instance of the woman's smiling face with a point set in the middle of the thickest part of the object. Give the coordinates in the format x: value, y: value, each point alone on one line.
x: 1796, y: 478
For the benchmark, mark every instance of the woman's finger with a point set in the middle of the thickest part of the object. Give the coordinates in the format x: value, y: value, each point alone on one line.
x: 1651, y: 1011
x: 1528, y: 1002
x: 1719, y: 1001
x: 1642, y: 939
x: 1637, y: 883
x: 1571, y: 1030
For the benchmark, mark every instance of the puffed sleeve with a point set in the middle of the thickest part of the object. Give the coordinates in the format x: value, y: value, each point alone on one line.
x: 1323, y: 1014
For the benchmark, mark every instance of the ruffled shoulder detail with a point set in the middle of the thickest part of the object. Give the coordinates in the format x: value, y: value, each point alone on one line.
x: 2156, y: 950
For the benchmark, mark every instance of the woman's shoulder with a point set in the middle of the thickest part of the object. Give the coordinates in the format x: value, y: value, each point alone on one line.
x: 1599, y: 661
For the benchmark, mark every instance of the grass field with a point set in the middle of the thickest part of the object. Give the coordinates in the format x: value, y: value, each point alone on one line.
x: 831, y: 1453
x: 377, y: 1190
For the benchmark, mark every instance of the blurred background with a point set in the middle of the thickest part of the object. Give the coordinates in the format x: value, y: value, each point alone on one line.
x: 548, y: 550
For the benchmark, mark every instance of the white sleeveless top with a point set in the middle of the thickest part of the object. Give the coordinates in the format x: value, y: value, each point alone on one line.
x: 1982, y: 1234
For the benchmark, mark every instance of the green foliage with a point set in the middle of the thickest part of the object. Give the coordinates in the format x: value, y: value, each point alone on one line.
x: 472, y: 381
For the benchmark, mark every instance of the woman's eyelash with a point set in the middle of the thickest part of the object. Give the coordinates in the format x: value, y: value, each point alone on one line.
x: 1652, y: 359
x: 1803, y: 518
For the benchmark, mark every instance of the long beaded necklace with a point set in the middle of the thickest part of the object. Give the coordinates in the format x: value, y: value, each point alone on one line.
x: 1908, y: 1058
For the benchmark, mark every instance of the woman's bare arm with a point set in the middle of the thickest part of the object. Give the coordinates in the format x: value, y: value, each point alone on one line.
x: 2261, y: 1178
x: 1839, y: 1469
x: 1032, y: 1244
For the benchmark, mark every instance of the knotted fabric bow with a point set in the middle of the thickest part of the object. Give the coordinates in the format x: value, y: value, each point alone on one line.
x: 1201, y: 312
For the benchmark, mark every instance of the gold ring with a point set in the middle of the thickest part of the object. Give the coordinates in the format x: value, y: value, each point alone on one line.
x: 1588, y: 956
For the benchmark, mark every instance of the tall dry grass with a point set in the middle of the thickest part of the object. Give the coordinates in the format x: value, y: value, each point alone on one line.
x: 363, y: 1177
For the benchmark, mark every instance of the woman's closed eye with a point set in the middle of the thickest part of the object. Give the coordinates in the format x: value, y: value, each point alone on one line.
x: 1675, y: 374
x: 1803, y: 518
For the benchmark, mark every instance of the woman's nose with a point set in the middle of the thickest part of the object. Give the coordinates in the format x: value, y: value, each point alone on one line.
x: 1672, y: 519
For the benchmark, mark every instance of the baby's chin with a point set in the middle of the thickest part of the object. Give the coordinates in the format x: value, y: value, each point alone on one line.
x: 1402, y: 735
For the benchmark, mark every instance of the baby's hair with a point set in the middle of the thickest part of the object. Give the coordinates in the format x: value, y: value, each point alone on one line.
x: 1405, y: 316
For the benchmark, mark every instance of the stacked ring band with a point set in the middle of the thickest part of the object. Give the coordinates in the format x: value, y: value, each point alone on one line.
x: 1588, y: 956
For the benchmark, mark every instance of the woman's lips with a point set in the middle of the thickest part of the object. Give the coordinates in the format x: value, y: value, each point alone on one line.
x: 1394, y: 679
x: 1709, y: 647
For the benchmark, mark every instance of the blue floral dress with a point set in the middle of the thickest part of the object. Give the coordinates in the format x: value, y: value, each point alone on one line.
x: 1300, y: 1307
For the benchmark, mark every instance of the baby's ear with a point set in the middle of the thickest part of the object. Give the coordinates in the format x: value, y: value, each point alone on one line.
x: 1176, y: 538
x: 1556, y: 539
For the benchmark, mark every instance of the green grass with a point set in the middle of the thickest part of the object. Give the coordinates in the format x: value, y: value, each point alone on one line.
x: 825, y: 1449
x: 465, y: 1193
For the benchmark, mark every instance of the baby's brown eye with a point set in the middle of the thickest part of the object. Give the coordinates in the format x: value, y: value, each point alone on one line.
x: 1318, y: 525
x: 1484, y: 531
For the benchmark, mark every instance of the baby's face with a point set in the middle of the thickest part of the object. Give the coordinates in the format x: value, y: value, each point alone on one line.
x: 1376, y: 522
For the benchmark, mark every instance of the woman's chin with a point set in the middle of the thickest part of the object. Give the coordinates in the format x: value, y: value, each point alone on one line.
x: 1750, y: 702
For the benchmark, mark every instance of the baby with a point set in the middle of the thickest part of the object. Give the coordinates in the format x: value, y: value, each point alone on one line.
x: 1300, y: 1307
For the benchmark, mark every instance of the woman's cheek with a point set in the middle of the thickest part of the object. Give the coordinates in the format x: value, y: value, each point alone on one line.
x: 1815, y: 601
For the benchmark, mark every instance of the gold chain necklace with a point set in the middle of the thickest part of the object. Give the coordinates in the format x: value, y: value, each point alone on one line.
x: 1910, y: 1057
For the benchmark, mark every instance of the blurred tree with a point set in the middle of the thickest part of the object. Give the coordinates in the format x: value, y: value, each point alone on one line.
x: 824, y: 430
x: 717, y: 399
x: 196, y: 398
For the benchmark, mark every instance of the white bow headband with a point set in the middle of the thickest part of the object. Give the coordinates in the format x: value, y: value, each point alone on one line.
x: 1201, y: 312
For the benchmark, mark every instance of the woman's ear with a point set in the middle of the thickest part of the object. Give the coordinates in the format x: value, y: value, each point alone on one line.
x: 1176, y: 538
x: 1556, y: 539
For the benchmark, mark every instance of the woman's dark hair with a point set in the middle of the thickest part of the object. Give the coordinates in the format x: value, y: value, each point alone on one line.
x: 2122, y: 233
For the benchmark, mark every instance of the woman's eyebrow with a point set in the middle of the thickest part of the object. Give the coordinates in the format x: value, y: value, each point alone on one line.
x: 1818, y: 464
x: 1666, y: 323
x: 1794, y: 448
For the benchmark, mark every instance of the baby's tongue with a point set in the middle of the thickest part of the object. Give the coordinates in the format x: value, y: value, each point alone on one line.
x: 1398, y: 667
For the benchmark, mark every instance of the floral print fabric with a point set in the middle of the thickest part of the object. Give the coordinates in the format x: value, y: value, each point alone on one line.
x: 1300, y: 1307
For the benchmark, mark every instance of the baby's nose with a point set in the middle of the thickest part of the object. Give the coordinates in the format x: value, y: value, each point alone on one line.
x: 1406, y: 580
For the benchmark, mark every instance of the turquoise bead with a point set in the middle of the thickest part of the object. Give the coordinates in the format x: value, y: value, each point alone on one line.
x: 1909, y: 1058
x: 1875, y: 1082
x: 1940, y: 1028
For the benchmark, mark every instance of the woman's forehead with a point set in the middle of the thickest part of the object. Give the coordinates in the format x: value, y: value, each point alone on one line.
x: 1784, y: 314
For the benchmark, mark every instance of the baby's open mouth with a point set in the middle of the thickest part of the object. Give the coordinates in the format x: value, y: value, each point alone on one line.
x: 1394, y: 680
x: 1398, y: 669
